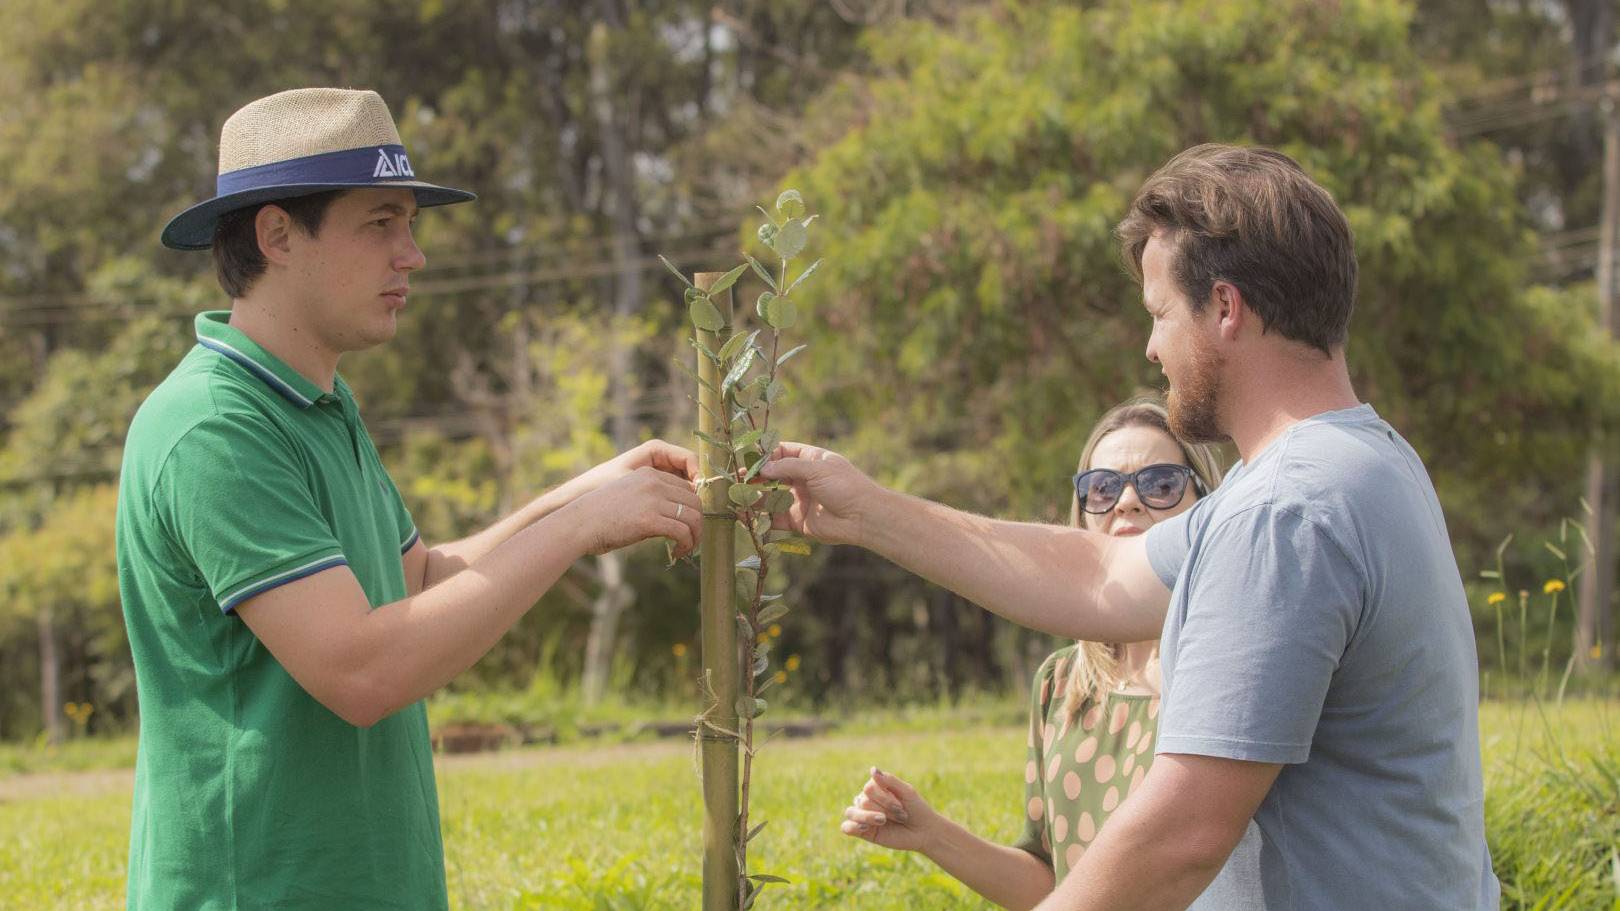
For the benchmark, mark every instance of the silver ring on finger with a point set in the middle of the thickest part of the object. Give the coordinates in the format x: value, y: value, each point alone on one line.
x: 679, y: 508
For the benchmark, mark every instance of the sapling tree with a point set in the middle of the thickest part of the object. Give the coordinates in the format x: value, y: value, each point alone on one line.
x: 740, y: 377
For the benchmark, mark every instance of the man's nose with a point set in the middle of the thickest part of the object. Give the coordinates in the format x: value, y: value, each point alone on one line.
x: 411, y: 258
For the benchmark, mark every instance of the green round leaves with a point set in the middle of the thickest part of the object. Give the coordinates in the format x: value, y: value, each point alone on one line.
x: 790, y: 239
x: 790, y: 204
x: 778, y: 500
x: 782, y: 314
x: 778, y: 312
x: 704, y: 314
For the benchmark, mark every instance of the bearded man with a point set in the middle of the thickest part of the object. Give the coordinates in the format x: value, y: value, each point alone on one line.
x: 1319, y: 742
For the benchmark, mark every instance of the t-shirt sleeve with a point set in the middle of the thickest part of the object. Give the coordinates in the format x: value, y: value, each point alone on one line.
x: 1168, y: 543
x: 237, y: 501
x: 1272, y: 604
x: 1033, y: 812
x: 408, y: 535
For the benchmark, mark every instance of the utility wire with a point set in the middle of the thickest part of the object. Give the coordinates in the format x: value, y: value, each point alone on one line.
x: 534, y: 256
x: 93, y: 310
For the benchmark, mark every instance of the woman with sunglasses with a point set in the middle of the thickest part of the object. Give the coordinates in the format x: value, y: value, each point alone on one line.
x: 1094, y: 706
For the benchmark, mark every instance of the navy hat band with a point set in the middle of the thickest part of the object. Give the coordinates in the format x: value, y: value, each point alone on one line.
x: 362, y: 166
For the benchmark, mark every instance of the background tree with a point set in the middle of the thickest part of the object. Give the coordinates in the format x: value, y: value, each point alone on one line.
x: 973, y: 322
x: 110, y: 128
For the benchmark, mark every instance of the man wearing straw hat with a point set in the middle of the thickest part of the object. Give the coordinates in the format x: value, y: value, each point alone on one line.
x: 286, y: 619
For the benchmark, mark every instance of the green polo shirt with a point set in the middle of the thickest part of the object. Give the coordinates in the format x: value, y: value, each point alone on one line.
x: 239, y: 476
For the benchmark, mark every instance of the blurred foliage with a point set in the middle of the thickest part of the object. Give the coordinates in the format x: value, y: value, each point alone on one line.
x: 978, y: 314
x: 970, y: 324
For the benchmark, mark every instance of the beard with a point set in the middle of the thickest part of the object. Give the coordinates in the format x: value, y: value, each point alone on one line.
x: 1194, y: 402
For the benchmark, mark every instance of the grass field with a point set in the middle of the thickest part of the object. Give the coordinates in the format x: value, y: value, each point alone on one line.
x: 617, y: 826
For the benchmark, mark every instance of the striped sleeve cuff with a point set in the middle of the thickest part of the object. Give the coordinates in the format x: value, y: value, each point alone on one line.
x: 410, y: 541
x: 241, y: 593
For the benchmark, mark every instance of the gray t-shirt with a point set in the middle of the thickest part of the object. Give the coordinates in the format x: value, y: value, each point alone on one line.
x: 1318, y: 620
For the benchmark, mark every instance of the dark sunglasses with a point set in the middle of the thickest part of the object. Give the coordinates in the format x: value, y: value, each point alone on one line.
x: 1157, y: 486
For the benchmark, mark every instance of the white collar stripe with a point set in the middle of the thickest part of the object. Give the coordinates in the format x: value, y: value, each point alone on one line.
x: 257, y: 370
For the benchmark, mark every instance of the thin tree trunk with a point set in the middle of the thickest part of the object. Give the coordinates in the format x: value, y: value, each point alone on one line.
x: 50, y: 678
x: 984, y: 647
x: 947, y: 632
x: 616, y: 595
x: 1596, y: 594
x: 609, y: 605
x: 521, y: 397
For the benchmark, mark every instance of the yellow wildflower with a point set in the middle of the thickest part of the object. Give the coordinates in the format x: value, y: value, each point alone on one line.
x: 793, y: 662
x: 679, y: 649
x: 775, y: 630
x: 1496, y: 598
x: 1596, y: 652
x: 1553, y: 586
x: 781, y: 677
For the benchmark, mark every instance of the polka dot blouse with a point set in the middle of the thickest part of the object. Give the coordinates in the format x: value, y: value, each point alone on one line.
x: 1080, y: 769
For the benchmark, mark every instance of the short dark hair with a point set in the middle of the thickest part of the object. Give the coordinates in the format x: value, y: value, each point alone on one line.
x: 1251, y: 217
x: 238, y: 261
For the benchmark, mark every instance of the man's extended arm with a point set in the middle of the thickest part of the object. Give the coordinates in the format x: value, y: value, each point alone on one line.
x: 1064, y: 581
x: 365, y: 663
x: 427, y: 566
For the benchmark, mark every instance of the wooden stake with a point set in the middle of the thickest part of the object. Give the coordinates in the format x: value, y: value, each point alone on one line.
x: 720, y: 665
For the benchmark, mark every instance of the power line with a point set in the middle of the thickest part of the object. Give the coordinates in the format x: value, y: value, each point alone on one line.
x: 1544, y: 98
x: 1542, y: 102
x: 92, y: 310
x: 1509, y: 85
x: 467, y: 258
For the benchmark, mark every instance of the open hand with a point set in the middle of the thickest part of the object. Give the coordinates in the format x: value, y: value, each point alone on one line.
x: 890, y: 813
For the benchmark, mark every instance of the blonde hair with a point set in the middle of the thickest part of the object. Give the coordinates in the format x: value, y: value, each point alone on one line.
x: 1094, y: 670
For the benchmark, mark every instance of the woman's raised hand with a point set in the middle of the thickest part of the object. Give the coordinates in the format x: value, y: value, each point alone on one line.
x: 890, y: 813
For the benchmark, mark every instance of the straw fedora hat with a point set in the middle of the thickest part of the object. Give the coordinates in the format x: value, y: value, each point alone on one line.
x: 301, y: 142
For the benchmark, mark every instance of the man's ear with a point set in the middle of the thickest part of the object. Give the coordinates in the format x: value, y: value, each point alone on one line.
x: 273, y: 227
x: 1231, y: 310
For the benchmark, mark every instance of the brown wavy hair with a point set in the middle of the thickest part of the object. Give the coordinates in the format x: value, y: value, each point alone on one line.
x: 1250, y: 217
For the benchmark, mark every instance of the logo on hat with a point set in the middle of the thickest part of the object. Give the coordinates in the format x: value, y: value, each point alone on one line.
x: 301, y: 142
x: 398, y: 166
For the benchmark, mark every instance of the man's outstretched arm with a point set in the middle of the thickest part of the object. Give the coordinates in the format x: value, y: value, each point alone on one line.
x: 1060, y: 580
x: 426, y: 566
x: 365, y: 663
